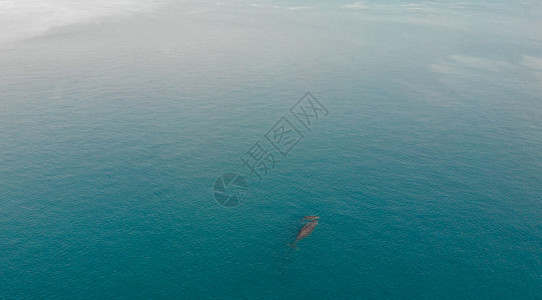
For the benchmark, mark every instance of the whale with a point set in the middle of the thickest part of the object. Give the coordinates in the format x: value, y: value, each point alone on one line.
x: 310, y: 218
x: 304, y: 232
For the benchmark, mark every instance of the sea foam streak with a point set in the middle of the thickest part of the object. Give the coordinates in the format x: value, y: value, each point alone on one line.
x: 22, y: 19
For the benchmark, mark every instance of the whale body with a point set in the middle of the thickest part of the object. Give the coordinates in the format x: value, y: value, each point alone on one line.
x: 304, y: 232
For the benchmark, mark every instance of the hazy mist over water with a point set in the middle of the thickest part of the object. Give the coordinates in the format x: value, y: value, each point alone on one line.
x: 117, y: 117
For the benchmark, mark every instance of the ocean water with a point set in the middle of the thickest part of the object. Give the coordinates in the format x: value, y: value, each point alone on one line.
x: 117, y: 118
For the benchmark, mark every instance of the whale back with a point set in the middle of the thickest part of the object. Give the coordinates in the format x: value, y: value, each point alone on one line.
x: 306, y: 230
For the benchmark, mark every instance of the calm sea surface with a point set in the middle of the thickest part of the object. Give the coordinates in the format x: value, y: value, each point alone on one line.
x: 426, y: 173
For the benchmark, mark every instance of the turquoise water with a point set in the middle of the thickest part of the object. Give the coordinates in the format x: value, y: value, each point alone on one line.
x: 425, y: 174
